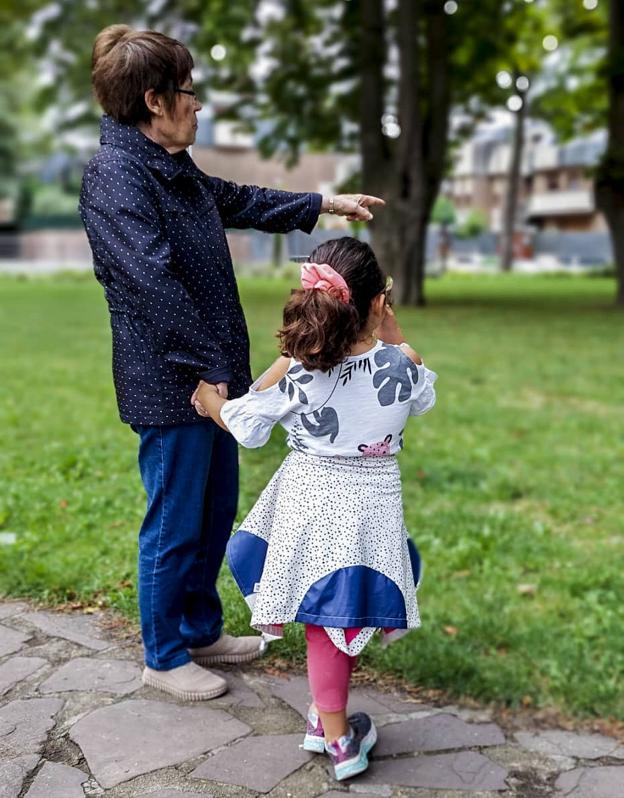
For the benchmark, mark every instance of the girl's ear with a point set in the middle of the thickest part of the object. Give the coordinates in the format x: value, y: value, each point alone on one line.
x: 388, y: 438
x: 362, y: 447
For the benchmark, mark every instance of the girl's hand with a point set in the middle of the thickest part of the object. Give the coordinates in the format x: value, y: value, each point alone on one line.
x: 353, y: 206
x: 204, y: 389
x: 389, y: 331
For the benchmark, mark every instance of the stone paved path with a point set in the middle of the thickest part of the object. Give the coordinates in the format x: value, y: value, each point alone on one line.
x: 75, y: 721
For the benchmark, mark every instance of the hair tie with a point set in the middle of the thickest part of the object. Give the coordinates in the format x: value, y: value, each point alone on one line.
x: 321, y: 277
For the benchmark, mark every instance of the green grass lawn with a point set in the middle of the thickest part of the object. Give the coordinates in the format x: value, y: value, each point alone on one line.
x: 512, y: 485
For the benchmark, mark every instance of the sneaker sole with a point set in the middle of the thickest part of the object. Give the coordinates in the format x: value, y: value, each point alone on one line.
x: 184, y: 695
x: 314, y: 744
x: 232, y: 659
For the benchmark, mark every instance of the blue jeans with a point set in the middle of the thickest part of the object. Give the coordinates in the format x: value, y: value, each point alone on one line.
x: 190, y: 474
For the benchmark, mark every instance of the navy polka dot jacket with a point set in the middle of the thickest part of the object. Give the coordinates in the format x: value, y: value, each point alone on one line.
x: 156, y: 225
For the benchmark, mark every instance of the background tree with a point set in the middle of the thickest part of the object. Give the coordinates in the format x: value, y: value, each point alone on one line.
x: 586, y: 93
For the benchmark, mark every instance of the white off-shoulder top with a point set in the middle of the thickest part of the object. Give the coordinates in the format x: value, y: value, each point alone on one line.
x: 358, y: 408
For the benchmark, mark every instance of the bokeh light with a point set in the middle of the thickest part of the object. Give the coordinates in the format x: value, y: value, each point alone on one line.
x: 514, y: 103
x: 504, y: 79
x: 218, y: 52
x: 550, y: 43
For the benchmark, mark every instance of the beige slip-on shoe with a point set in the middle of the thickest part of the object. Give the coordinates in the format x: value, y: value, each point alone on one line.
x: 188, y: 682
x: 229, y: 649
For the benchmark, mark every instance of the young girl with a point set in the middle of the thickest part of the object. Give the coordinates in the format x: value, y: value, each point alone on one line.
x: 325, y: 544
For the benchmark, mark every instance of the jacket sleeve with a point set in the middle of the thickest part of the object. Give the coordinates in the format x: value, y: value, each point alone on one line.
x: 265, y: 209
x: 123, y: 226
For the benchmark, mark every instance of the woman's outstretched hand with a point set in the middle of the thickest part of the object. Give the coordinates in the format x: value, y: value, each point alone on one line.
x: 353, y: 206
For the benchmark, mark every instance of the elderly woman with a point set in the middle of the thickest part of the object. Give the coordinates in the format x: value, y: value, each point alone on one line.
x: 156, y: 226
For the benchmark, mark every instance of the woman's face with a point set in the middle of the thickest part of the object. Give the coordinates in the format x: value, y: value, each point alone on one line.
x: 175, y: 130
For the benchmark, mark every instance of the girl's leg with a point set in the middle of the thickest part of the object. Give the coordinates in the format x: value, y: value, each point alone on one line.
x: 329, y: 673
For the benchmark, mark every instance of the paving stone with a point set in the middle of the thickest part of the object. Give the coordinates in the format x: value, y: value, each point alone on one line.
x: 12, y: 608
x: 436, y: 733
x: 336, y: 794
x: 239, y: 693
x: 598, y: 782
x: 25, y: 723
x: 57, y: 781
x: 96, y: 675
x: 258, y: 763
x: 172, y: 794
x: 13, y: 772
x: 11, y: 640
x: 137, y: 736
x: 462, y: 771
x: 565, y: 743
x: 81, y: 629
x: 17, y: 668
x: 295, y: 692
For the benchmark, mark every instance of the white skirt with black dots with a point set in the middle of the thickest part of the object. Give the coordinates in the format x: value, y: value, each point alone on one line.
x: 326, y: 544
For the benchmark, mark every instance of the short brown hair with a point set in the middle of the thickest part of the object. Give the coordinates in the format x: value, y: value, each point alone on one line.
x: 320, y: 329
x: 126, y: 63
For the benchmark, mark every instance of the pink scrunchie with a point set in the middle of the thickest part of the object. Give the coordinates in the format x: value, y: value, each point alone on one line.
x: 322, y: 277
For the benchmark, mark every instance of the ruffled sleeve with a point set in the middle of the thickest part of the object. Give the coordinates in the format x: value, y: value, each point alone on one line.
x: 423, y: 393
x: 251, y: 418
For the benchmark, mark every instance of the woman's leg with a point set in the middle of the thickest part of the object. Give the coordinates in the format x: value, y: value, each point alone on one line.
x: 203, y: 615
x: 174, y: 462
x: 329, y: 673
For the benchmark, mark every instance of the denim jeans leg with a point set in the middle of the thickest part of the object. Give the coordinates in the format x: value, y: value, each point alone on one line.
x: 175, y: 464
x: 203, y: 615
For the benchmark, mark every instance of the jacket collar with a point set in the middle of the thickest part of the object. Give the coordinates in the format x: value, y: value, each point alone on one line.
x: 136, y: 143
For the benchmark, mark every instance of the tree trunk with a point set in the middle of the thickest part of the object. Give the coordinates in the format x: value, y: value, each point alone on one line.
x: 610, y: 173
x: 408, y: 178
x: 513, y: 189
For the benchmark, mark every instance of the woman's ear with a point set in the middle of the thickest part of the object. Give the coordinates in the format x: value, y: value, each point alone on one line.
x: 153, y: 102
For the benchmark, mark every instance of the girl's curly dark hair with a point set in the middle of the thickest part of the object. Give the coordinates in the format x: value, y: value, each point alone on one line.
x: 319, y: 329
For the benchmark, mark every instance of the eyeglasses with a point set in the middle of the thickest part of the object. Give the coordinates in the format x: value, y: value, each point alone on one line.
x: 190, y: 93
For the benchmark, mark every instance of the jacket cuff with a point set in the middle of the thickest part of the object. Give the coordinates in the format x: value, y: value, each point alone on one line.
x: 309, y: 223
x: 213, y: 376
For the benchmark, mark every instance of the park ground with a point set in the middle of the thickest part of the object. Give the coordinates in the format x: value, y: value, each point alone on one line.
x: 512, y: 484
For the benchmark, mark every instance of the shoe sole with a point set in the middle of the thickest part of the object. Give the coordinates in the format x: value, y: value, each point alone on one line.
x: 184, y: 695
x: 315, y: 745
x: 232, y: 659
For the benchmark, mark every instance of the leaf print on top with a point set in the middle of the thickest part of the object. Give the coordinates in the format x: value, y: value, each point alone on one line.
x: 288, y: 383
x: 396, y: 370
x: 326, y: 423
x: 348, y: 370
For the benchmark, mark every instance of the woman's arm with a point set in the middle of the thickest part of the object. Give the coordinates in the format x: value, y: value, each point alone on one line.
x: 274, y: 211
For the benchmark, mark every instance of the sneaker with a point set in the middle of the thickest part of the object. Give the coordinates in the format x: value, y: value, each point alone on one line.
x: 188, y: 682
x: 314, y: 739
x: 349, y: 754
x: 229, y: 649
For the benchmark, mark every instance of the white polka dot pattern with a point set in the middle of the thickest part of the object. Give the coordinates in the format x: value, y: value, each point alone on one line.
x: 321, y: 514
x: 156, y: 226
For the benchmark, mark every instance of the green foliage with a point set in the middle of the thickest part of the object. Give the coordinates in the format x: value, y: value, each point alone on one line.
x: 512, y: 485
x: 475, y: 223
x: 443, y: 211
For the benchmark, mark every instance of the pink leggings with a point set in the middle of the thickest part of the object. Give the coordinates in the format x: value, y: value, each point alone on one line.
x: 329, y: 669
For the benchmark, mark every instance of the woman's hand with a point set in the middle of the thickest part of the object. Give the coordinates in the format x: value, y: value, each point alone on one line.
x: 204, y: 392
x: 353, y: 206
